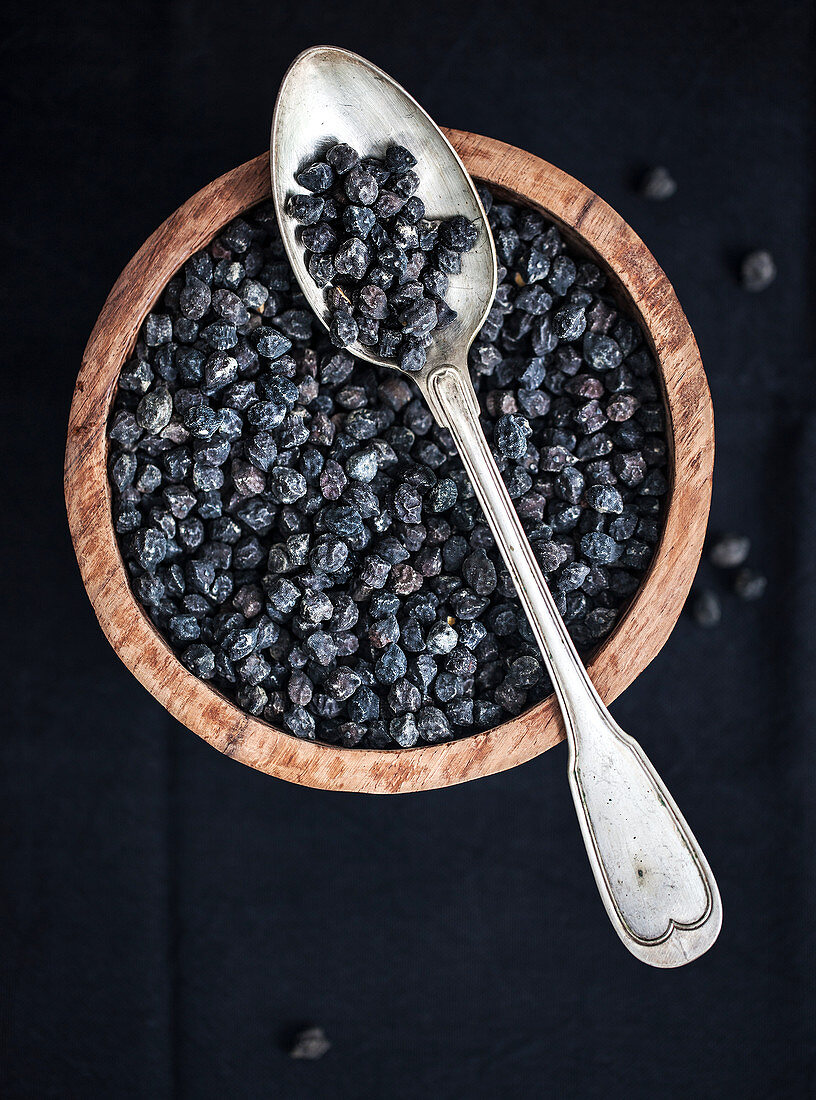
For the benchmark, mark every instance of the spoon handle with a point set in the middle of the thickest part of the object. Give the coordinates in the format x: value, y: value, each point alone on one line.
x: 653, y: 878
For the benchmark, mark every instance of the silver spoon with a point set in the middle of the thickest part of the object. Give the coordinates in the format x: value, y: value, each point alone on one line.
x: 653, y: 878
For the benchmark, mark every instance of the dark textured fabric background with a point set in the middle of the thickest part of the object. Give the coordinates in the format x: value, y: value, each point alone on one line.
x: 168, y: 916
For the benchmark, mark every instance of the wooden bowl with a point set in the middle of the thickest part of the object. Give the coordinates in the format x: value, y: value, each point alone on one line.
x: 591, y: 226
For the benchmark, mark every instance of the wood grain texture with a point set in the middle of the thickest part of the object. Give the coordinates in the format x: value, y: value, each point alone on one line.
x: 591, y: 225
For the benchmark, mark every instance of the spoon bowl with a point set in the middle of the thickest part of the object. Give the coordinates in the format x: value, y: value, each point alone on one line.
x: 325, y: 98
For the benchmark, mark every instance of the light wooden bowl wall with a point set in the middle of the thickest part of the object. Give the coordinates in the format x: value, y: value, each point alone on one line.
x: 588, y: 223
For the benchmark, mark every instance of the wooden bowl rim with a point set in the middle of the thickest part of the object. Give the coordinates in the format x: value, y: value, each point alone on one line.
x: 636, y: 639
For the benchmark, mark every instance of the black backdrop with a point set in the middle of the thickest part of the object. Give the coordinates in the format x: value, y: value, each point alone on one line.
x: 169, y: 916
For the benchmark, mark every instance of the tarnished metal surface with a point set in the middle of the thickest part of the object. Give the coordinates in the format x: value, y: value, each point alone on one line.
x: 653, y: 878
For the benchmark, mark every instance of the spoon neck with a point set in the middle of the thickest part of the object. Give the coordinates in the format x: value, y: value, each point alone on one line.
x: 449, y: 391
